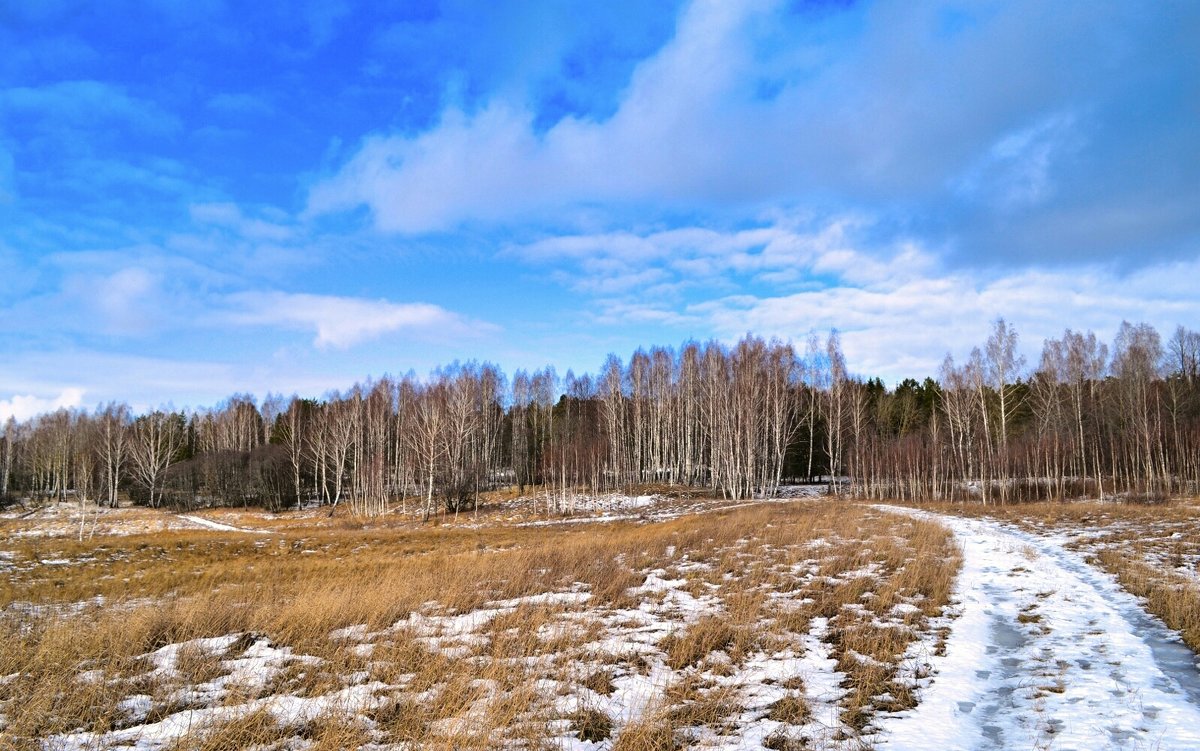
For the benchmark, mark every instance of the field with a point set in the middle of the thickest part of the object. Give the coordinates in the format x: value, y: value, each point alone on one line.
x: 652, y: 623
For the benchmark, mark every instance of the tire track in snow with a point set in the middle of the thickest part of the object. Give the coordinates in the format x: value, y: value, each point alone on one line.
x: 1048, y: 652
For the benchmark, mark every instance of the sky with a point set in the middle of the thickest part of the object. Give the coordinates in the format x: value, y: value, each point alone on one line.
x: 202, y: 197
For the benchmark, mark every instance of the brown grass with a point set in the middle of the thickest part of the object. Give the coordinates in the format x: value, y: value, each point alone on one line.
x: 600, y: 681
x: 294, y: 588
x: 654, y: 734
x: 591, y: 725
x: 1170, y: 596
x: 709, y: 634
x: 792, y: 709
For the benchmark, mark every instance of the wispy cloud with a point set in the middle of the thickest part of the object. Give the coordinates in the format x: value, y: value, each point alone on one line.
x: 899, y: 307
x: 145, y: 381
x: 8, y: 191
x: 494, y: 165
x: 1017, y: 171
x: 342, y: 322
x: 698, y: 256
x: 83, y: 102
x: 591, y: 177
x: 131, y: 294
x: 229, y: 215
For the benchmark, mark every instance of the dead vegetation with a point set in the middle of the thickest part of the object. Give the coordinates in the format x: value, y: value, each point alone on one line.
x: 1173, y: 597
x: 642, y: 636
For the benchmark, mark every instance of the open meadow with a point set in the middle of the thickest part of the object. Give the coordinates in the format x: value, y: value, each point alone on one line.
x: 640, y: 622
x: 782, y: 625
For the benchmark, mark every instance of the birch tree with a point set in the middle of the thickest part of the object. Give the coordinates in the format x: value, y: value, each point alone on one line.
x: 7, y: 450
x: 112, y: 446
x: 154, y: 443
x: 427, y: 423
x: 1003, y: 366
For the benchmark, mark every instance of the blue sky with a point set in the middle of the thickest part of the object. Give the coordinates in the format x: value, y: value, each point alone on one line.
x: 200, y: 198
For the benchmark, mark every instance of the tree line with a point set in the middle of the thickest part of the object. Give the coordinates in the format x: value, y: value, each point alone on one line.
x: 1086, y: 420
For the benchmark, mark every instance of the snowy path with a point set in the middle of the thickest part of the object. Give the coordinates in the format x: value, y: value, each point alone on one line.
x: 1048, y: 652
x: 218, y: 526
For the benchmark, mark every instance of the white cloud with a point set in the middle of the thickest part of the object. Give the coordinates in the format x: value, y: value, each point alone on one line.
x: 342, y: 322
x: 692, y: 125
x: 781, y: 253
x: 899, y: 309
x: 663, y: 141
x: 172, y: 379
x: 905, y: 328
x: 1016, y: 171
x: 883, y: 106
x: 230, y: 216
x: 127, y: 299
x: 24, y: 406
x: 132, y: 292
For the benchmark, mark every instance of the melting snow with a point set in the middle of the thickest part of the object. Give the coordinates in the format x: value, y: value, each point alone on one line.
x: 1048, y: 652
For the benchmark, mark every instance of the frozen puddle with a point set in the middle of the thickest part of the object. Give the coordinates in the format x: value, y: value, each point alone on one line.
x: 1048, y: 652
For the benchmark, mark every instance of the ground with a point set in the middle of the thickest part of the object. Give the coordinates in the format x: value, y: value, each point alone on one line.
x: 635, y: 622
x: 1049, y: 652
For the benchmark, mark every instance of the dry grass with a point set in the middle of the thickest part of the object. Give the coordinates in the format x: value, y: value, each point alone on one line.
x: 77, y: 636
x: 600, y: 681
x: 709, y: 634
x: 1174, y: 598
x: 791, y: 709
x: 913, y: 579
x: 258, y: 728
x: 591, y: 725
x: 654, y: 734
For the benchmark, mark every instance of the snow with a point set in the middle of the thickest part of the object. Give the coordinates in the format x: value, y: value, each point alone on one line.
x: 1048, y: 652
x: 253, y: 668
x: 165, y: 659
x: 156, y: 735
x: 545, y: 598
x: 574, y: 508
x: 1043, y: 651
x: 350, y: 633
x: 801, y: 491
x: 218, y: 526
x: 607, y: 507
x: 641, y: 501
x: 59, y: 520
x: 1167, y: 543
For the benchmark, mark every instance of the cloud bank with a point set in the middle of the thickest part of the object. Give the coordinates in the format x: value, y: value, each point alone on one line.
x: 23, y: 406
